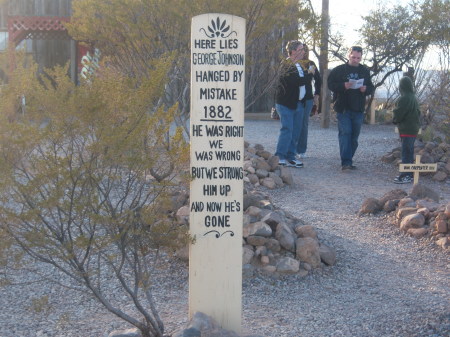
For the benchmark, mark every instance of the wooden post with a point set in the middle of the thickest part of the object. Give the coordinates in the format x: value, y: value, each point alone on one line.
x: 217, y: 153
x: 373, y: 107
x: 417, y: 168
x: 323, y: 62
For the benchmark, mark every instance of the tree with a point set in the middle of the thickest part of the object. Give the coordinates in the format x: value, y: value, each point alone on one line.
x: 86, y: 184
x: 133, y: 33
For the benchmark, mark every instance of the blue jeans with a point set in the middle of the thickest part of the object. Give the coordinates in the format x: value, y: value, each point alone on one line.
x: 289, y: 132
x: 407, y: 153
x: 349, y: 126
x: 303, y: 138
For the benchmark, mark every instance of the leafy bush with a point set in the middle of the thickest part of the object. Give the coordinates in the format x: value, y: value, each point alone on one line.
x: 87, y: 175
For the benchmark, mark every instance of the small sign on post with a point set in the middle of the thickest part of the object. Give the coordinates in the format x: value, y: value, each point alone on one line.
x: 417, y: 168
x: 217, y: 155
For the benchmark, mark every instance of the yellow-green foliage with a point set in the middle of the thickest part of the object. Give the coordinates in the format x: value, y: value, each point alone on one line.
x: 88, y: 170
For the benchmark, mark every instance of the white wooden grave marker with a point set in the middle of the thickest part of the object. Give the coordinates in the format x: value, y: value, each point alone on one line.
x: 217, y: 151
x: 417, y: 168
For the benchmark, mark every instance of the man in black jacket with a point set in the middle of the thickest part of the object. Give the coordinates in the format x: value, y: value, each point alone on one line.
x: 350, y: 83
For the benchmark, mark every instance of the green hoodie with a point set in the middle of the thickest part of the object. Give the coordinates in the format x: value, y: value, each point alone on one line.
x: 407, y: 112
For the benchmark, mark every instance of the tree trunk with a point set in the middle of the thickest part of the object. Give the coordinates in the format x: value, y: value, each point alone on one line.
x: 323, y: 64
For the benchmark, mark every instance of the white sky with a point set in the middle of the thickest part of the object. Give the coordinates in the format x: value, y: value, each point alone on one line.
x: 346, y: 17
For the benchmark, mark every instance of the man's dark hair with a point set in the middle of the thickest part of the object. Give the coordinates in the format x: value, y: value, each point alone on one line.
x: 292, y: 45
x: 356, y: 48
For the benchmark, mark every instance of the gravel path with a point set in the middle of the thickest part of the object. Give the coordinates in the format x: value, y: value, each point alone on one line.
x: 384, y: 283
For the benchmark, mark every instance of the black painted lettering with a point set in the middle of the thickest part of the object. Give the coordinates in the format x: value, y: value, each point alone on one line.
x: 197, y: 130
x: 204, y: 155
x: 217, y: 221
x: 214, y: 130
x: 197, y: 206
x: 212, y: 76
x: 234, y: 131
x: 209, y: 189
x: 237, y: 75
x: 228, y: 44
x: 218, y: 93
x: 224, y: 189
x: 205, y: 44
x: 213, y: 206
x: 204, y: 172
x: 228, y: 155
x: 232, y: 206
x: 216, y: 144
x: 231, y: 173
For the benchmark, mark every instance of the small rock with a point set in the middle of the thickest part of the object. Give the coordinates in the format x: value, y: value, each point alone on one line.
x: 418, y: 232
x: 126, y: 333
x: 288, y: 265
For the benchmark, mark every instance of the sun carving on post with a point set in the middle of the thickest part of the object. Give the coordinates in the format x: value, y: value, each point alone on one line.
x: 218, y: 29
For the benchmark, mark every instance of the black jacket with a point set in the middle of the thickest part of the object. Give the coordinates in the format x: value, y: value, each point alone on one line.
x: 289, y: 83
x: 309, y: 93
x: 351, y: 99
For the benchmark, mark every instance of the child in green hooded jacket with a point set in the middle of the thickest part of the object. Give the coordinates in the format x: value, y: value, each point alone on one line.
x: 406, y: 117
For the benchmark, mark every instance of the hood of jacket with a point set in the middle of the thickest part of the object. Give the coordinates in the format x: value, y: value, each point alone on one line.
x: 406, y: 86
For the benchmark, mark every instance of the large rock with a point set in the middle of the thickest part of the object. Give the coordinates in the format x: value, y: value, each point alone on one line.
x: 370, y: 206
x: 306, y: 231
x: 327, y: 255
x: 269, y: 183
x: 203, y: 325
x: 182, y: 215
x: 440, y: 176
x: 308, y: 251
x: 390, y: 205
x: 276, y: 178
x: 273, y: 245
x: 420, y: 191
x: 273, y: 162
x: 256, y: 240
x: 260, y: 164
x: 286, y: 237
x: 257, y: 228
x: 428, y: 204
x: 272, y: 219
x: 247, y: 255
x: 412, y: 221
x: 286, y: 176
x: 393, y: 195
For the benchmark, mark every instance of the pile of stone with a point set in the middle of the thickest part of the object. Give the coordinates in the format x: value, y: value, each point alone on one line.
x: 200, y: 325
x: 261, y: 168
x: 430, y: 152
x: 274, y: 241
x: 418, y: 214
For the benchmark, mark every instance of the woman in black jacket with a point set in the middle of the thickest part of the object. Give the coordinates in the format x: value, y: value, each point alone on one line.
x: 290, y: 92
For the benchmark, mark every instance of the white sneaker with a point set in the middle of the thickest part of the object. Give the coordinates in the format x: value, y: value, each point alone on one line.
x: 301, y: 156
x: 295, y: 163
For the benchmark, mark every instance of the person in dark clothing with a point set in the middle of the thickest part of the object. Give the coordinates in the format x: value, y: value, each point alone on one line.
x: 407, y: 119
x: 312, y: 74
x: 289, y: 93
x: 350, y: 84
